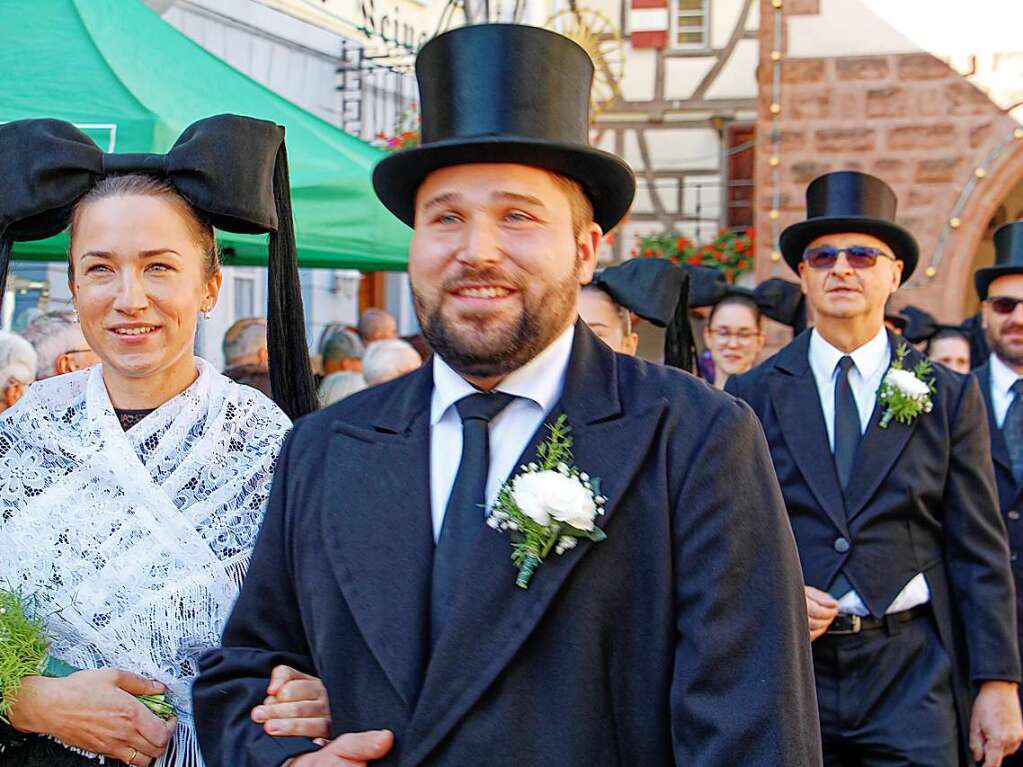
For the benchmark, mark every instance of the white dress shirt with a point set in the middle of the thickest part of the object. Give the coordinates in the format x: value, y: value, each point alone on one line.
x: 870, y: 362
x: 537, y: 386
x: 1002, y: 379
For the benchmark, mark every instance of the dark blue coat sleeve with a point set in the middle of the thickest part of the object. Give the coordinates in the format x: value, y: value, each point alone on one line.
x: 262, y: 632
x: 743, y: 688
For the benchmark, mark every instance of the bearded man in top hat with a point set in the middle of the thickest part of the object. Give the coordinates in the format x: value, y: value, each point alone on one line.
x: 1000, y: 289
x: 890, y: 491
x: 670, y: 631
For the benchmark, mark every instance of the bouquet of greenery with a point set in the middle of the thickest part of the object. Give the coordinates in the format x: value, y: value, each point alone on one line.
x: 25, y: 651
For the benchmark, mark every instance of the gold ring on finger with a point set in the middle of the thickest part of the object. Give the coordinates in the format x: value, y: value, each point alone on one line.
x: 134, y: 753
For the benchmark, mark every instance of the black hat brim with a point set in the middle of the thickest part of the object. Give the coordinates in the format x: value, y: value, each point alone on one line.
x: 607, y: 179
x: 983, y: 278
x: 795, y: 238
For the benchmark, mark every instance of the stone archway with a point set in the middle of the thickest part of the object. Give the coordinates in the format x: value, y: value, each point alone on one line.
x: 961, y: 250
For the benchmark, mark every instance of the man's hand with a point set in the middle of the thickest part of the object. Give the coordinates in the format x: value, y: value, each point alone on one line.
x: 996, y: 727
x: 821, y: 609
x: 354, y: 749
x: 296, y: 705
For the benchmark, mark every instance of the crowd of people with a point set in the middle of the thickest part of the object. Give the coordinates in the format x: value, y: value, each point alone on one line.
x: 534, y: 548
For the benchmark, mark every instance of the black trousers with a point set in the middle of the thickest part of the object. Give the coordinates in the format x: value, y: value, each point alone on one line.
x: 885, y: 697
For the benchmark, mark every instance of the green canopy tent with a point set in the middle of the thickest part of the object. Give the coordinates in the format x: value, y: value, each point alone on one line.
x: 134, y: 83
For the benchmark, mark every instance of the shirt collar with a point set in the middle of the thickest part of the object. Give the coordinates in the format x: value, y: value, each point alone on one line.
x: 868, y: 359
x: 541, y: 380
x: 1002, y: 376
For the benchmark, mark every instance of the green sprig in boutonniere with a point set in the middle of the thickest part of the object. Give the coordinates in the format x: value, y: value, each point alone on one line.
x: 25, y: 651
x: 906, y: 394
x: 549, y: 505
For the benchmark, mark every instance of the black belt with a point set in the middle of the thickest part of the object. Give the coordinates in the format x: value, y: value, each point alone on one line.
x: 854, y: 624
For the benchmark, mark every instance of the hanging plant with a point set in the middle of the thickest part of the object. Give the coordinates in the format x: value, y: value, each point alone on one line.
x: 730, y: 251
x: 406, y: 131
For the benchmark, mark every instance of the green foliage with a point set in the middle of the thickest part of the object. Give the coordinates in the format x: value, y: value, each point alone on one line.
x: 730, y: 251
x: 25, y: 648
x: 23, y: 645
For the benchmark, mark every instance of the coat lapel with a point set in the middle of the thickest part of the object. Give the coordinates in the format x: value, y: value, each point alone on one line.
x: 491, y: 616
x: 880, y: 448
x: 378, y: 532
x: 797, y: 404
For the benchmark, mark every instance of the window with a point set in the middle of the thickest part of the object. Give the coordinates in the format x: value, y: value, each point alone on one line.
x: 690, y: 24
x: 244, y: 297
x: 739, y: 191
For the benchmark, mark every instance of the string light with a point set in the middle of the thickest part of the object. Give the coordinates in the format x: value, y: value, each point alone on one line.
x: 775, y: 109
x: 955, y: 220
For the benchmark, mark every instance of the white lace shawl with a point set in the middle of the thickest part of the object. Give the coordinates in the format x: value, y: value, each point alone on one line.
x: 136, y: 541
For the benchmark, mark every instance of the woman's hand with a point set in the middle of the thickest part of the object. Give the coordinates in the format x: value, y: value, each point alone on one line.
x: 95, y: 711
x: 296, y: 705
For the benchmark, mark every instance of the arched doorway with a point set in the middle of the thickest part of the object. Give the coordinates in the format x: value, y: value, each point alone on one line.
x: 999, y: 198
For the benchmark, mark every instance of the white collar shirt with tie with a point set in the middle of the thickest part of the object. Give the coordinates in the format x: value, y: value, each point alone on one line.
x: 1002, y: 380
x: 870, y: 363
x: 537, y: 387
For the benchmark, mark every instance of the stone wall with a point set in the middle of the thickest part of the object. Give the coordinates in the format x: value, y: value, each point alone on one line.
x: 908, y: 118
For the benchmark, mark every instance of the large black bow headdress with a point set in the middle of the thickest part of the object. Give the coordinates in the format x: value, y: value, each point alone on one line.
x: 232, y: 169
x: 656, y: 290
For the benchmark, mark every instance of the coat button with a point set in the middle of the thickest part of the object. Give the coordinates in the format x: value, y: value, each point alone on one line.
x: 841, y: 545
x: 1013, y: 515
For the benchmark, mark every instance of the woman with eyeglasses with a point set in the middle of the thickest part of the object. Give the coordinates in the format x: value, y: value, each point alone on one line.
x: 733, y: 336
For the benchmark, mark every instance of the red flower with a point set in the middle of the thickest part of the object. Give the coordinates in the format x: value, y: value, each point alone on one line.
x: 740, y: 245
x: 648, y: 252
x: 634, y: 252
x: 749, y: 232
x: 743, y: 264
x: 694, y: 260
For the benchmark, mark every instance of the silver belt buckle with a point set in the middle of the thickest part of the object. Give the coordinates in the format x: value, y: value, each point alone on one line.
x: 855, y: 626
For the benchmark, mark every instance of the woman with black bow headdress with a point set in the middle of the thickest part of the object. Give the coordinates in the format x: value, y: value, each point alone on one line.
x: 131, y: 493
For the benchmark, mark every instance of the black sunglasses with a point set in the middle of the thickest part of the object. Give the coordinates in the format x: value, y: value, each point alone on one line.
x: 1004, y: 304
x: 858, y: 256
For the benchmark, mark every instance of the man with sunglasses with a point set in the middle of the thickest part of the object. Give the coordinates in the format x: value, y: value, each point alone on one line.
x: 904, y: 555
x: 1000, y: 289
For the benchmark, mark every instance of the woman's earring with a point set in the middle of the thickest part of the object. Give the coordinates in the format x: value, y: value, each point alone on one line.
x: 74, y: 314
x: 206, y: 314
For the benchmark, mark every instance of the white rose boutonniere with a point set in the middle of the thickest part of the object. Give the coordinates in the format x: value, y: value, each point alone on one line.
x: 548, y: 505
x: 905, y: 394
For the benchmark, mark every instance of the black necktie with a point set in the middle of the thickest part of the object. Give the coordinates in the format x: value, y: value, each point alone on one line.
x: 1012, y: 430
x: 847, y: 423
x: 464, y: 514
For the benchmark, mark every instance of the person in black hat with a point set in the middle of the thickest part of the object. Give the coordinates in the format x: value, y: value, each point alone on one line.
x: 1000, y: 289
x: 653, y: 289
x: 891, y: 497
x: 133, y: 491
x: 672, y: 632
x: 946, y: 344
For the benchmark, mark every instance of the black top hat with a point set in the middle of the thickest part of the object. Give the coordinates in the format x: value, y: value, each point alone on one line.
x: 506, y: 93
x: 1008, y: 257
x: 849, y: 201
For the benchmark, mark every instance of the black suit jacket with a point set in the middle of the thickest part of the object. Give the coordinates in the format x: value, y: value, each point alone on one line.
x: 921, y: 499
x: 1010, y: 493
x: 679, y: 640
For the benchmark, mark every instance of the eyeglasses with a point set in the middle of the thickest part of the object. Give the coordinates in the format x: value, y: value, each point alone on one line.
x: 1004, y: 304
x: 858, y: 256
x: 743, y: 337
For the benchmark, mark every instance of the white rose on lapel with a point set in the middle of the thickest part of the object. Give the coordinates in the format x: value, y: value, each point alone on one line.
x: 544, y: 495
x: 549, y: 506
x: 907, y: 383
x: 905, y: 394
